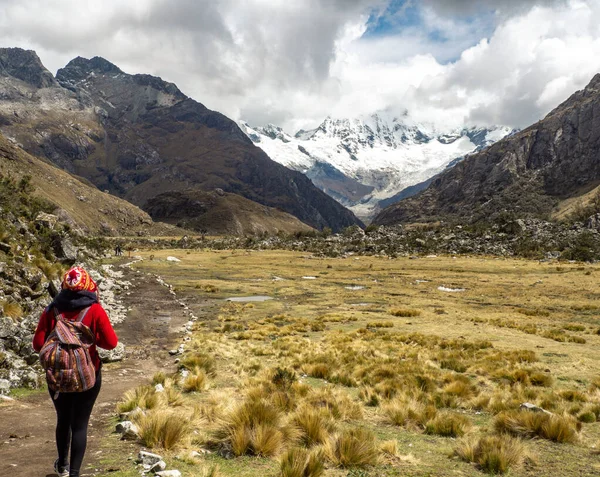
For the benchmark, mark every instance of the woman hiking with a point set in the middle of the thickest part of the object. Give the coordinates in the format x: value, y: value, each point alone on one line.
x: 66, y: 337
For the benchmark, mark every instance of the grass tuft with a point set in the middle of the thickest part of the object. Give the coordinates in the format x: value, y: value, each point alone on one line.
x: 493, y: 454
x: 554, y: 427
x: 163, y: 429
x: 353, y: 448
x: 298, y: 462
x: 404, y: 312
x: 448, y: 424
x: 195, y: 382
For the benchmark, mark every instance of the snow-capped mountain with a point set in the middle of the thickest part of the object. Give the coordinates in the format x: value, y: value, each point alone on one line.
x: 364, y: 160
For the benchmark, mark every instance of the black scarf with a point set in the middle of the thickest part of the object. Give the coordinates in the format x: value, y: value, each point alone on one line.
x: 68, y: 300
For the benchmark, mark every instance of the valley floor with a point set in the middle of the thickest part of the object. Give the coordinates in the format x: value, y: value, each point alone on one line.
x: 417, y: 357
x: 367, y: 336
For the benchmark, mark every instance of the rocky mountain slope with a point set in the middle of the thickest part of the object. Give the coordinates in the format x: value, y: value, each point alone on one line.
x: 362, y: 161
x: 221, y: 213
x: 138, y: 136
x: 529, y: 174
x: 74, y: 201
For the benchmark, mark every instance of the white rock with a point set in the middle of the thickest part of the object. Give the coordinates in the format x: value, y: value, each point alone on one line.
x: 159, y: 388
x: 159, y: 466
x: 128, y: 430
x: 173, y: 259
x: 169, y: 473
x: 148, y: 458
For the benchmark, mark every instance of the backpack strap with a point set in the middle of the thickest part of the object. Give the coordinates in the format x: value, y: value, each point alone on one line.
x: 56, y: 314
x: 82, y: 314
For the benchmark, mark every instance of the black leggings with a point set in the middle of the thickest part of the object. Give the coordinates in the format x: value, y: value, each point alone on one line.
x: 73, y: 412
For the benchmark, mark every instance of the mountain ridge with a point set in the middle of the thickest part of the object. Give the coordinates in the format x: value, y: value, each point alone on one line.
x: 139, y: 136
x: 371, y: 158
x: 527, y: 174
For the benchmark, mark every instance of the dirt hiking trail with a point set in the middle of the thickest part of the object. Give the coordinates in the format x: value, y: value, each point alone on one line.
x: 27, y: 447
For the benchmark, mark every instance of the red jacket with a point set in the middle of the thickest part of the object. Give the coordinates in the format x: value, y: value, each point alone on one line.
x: 96, y: 320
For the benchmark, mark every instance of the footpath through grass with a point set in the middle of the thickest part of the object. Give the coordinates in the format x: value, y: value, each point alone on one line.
x: 370, y: 366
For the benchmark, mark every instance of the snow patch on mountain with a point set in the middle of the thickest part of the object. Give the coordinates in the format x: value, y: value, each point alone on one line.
x: 363, y: 160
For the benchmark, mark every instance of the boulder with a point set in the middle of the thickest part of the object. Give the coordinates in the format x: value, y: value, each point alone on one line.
x: 47, y: 221
x: 148, y: 458
x: 65, y: 250
x: 128, y: 430
x: 113, y: 355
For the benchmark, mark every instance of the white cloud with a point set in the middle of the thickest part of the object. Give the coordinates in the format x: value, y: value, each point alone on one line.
x: 293, y: 63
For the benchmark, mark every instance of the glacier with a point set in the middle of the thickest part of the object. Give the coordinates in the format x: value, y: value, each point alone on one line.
x: 362, y: 161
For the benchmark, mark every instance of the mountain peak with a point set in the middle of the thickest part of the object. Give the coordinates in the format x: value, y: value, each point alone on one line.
x: 26, y: 66
x: 80, y: 68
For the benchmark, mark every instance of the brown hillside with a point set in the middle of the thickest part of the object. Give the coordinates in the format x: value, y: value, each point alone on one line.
x: 82, y: 205
x: 221, y: 213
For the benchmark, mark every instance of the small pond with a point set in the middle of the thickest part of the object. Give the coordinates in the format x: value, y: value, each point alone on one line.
x: 249, y: 298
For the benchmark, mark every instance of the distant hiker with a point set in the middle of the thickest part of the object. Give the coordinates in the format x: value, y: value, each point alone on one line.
x: 66, y: 337
x: 118, y: 251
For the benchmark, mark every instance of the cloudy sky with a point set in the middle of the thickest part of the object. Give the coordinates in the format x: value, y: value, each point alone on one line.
x: 294, y: 62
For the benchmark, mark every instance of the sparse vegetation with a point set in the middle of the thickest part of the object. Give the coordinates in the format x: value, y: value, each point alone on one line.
x: 404, y: 312
x: 554, y: 427
x: 163, y: 429
x: 312, y: 374
x: 353, y: 448
x: 492, y: 454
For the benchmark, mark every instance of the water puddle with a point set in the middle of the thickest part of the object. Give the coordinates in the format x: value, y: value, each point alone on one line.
x: 451, y: 290
x: 249, y: 298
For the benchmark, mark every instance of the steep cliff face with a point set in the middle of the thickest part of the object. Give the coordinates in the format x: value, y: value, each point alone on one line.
x: 138, y: 136
x: 528, y: 173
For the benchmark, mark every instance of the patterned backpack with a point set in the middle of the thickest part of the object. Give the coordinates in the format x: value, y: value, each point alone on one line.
x: 66, y: 357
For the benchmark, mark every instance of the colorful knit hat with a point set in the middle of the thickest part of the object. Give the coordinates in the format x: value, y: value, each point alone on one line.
x: 77, y: 279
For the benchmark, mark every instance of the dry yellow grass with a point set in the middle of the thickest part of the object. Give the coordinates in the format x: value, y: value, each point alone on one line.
x: 316, y: 346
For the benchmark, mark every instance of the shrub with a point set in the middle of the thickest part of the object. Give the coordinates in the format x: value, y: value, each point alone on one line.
x: 266, y: 440
x: 143, y: 397
x: 283, y: 378
x: 159, y: 378
x: 409, y: 413
x: 339, y: 404
x: 389, y: 448
x: 448, y: 425
x: 380, y: 324
x: 353, y: 448
x: 12, y: 309
x: 492, y: 454
x: 540, y: 379
x: 404, y: 312
x: 198, y: 360
x: 164, y: 429
x: 298, y: 462
x: 586, y: 416
x: 554, y: 427
x: 195, y: 382
x: 368, y: 396
x: 314, y: 425
x: 319, y: 370
x: 254, y: 428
